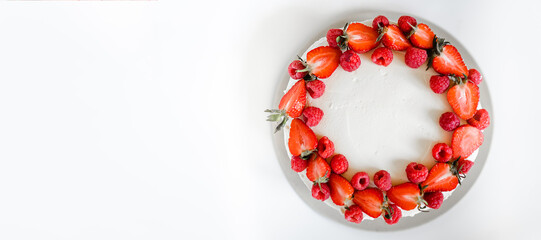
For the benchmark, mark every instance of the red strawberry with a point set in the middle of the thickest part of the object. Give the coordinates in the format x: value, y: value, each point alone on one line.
x: 464, y: 98
x: 394, y: 39
x: 361, y: 38
x: 318, y: 170
x: 341, y: 189
x: 466, y: 139
x: 322, y: 61
x: 302, y: 140
x: 447, y: 60
x: 370, y: 200
x: 440, y: 178
x: 292, y: 104
x: 406, y: 195
x: 422, y: 36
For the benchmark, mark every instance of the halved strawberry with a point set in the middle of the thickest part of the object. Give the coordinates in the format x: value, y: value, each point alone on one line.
x: 292, y: 104
x: 341, y: 189
x: 361, y: 38
x: 318, y: 170
x: 466, y: 139
x: 322, y: 61
x: 394, y: 39
x: 370, y: 200
x: 440, y: 178
x: 422, y: 36
x: 406, y: 195
x: 464, y: 98
x: 302, y: 140
x: 446, y: 60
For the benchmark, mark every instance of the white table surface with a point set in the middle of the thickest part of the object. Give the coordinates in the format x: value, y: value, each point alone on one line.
x: 144, y: 120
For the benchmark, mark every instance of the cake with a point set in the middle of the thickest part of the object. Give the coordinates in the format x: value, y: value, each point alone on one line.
x: 381, y: 119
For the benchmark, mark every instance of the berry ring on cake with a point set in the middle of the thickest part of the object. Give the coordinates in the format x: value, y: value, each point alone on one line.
x: 382, y: 119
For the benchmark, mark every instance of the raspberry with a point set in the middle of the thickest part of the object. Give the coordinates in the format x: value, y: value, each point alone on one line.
x: 325, y: 147
x: 433, y: 199
x: 380, y: 21
x: 350, y: 61
x: 312, y: 115
x: 464, y: 166
x: 416, y: 172
x: 294, y: 68
x: 298, y: 164
x: 332, y: 35
x: 441, y: 152
x: 354, y: 214
x: 449, y: 121
x: 315, y: 88
x: 439, y: 84
x: 415, y: 57
x: 382, y: 179
x: 404, y: 24
x: 393, y: 215
x: 475, y: 76
x: 339, y: 164
x: 321, y: 191
x: 382, y: 56
x: 360, y: 181
x: 480, y: 120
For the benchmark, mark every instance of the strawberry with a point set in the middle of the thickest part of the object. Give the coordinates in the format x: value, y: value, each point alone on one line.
x: 302, y: 140
x: 393, y: 38
x: 341, y: 189
x: 370, y: 200
x: 318, y: 170
x: 292, y: 104
x: 464, y: 98
x: 361, y: 38
x: 322, y: 61
x: 441, y: 178
x: 422, y: 36
x: 446, y: 60
x: 466, y: 139
x: 406, y: 195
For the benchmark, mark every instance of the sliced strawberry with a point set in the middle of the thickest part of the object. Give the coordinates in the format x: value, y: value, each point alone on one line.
x: 322, y: 61
x: 294, y: 100
x: 302, y: 139
x: 318, y: 170
x: 394, y: 39
x: 406, y: 195
x: 422, y: 36
x: 464, y: 98
x: 440, y: 178
x: 361, y: 38
x: 341, y: 189
x: 449, y: 61
x: 466, y: 139
x: 370, y: 200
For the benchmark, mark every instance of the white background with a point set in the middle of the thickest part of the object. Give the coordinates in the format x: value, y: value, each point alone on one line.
x: 144, y: 120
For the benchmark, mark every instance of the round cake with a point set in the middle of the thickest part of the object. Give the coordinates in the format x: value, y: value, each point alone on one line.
x: 381, y: 119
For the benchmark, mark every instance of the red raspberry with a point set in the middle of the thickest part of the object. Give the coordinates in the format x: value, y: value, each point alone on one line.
x: 350, y: 61
x: 449, y: 121
x: 315, y: 88
x: 294, y: 68
x: 325, y: 147
x: 360, y: 181
x: 404, y: 24
x: 393, y: 215
x: 439, y: 84
x: 354, y: 214
x: 416, y: 172
x: 380, y: 21
x: 332, y: 35
x: 382, y: 56
x: 312, y: 115
x: 382, y: 179
x: 480, y: 120
x: 415, y: 57
x: 433, y: 199
x: 298, y: 164
x: 339, y: 164
x: 321, y: 191
x: 441, y: 152
x: 464, y: 166
x: 475, y: 76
